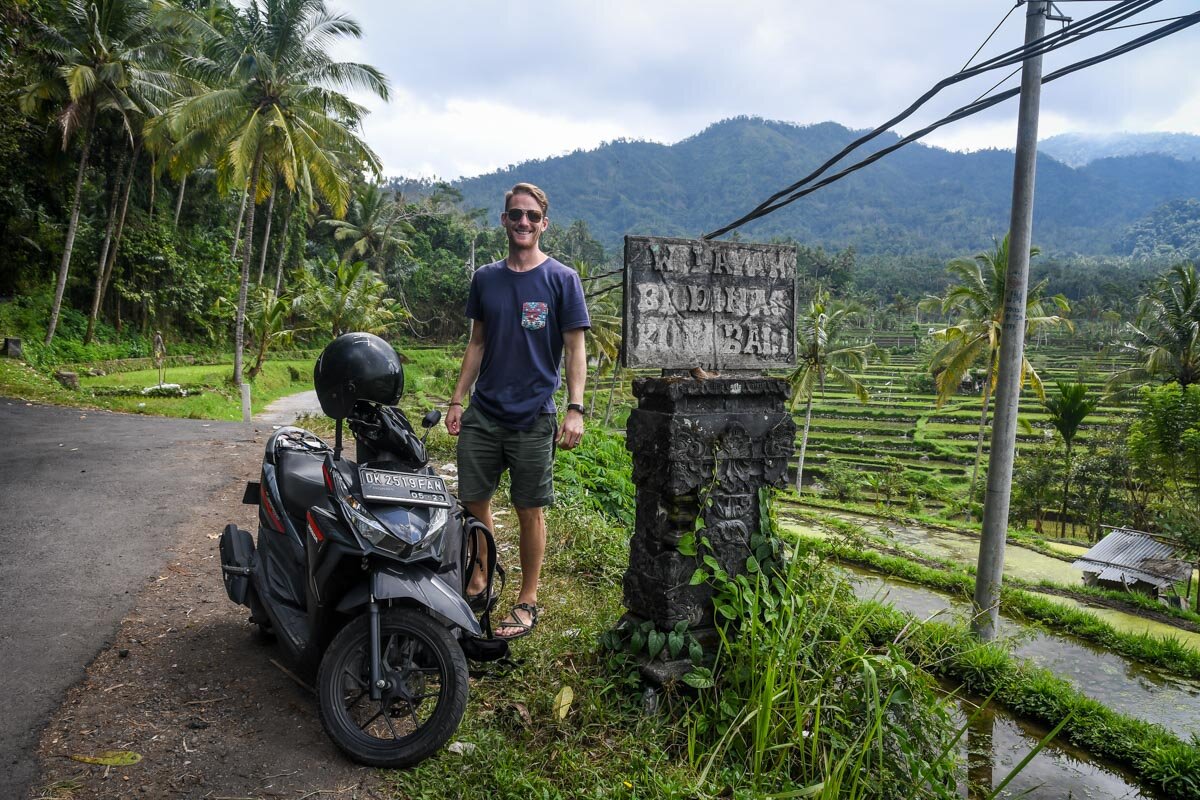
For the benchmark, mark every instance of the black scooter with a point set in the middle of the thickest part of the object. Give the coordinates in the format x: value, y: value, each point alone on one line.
x: 360, y: 573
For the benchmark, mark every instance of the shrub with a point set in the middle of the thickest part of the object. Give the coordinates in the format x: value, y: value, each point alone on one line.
x: 598, y: 475
x: 840, y: 481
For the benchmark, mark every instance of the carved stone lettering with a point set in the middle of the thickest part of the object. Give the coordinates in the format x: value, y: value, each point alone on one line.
x: 717, y: 305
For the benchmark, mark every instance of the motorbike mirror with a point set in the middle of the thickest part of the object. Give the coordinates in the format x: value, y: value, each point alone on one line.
x: 431, y: 419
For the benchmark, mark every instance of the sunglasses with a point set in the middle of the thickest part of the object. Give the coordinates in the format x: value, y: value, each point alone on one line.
x: 515, y: 214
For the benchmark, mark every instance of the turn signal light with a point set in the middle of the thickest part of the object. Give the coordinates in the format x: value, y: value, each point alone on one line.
x: 313, y: 529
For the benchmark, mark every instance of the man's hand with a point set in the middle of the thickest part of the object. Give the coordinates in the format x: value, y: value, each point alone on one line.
x: 454, y: 419
x: 571, y: 432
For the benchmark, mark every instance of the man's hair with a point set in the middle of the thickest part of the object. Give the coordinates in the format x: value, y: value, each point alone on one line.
x: 531, y: 190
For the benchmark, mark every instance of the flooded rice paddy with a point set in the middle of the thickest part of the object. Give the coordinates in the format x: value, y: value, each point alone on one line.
x: 1019, y: 562
x: 995, y: 742
x: 1131, y: 689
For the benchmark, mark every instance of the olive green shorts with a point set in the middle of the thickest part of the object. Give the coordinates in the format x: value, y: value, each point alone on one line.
x: 486, y: 449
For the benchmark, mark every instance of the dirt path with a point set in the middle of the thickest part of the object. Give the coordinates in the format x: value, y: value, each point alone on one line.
x: 187, y: 686
x: 285, y: 410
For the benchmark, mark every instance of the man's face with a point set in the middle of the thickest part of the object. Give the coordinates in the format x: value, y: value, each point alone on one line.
x: 522, y: 233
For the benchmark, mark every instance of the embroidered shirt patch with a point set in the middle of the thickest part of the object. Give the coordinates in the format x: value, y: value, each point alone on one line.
x: 533, y: 316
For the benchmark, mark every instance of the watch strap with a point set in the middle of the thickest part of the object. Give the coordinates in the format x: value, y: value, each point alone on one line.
x: 577, y: 407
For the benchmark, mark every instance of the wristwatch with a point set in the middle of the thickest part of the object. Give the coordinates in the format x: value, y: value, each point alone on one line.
x: 577, y: 407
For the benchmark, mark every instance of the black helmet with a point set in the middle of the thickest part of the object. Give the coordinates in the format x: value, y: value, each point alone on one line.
x: 357, y: 366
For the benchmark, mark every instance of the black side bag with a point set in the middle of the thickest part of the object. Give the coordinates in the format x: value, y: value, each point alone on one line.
x: 237, y: 561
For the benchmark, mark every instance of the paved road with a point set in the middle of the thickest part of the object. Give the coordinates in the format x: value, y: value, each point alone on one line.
x: 87, y: 503
x: 285, y: 410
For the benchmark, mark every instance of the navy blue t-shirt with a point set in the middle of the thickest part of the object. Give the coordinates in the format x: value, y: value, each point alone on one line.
x: 524, y: 315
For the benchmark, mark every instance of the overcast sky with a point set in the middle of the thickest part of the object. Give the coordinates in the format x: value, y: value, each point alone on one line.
x: 480, y: 85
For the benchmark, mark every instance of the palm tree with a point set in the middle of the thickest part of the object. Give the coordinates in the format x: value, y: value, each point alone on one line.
x: 1090, y: 308
x: 1166, y: 336
x: 98, y: 57
x: 268, y: 316
x: 273, y: 109
x: 347, y: 297
x: 375, y: 226
x: 112, y: 235
x: 150, y: 133
x: 820, y: 357
x: 1067, y: 410
x: 976, y: 301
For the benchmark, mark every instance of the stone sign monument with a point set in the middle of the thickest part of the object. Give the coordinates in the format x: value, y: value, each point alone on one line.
x: 714, y: 305
x: 692, y: 307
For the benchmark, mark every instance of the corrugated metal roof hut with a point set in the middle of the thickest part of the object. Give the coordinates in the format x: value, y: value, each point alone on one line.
x: 1134, y: 561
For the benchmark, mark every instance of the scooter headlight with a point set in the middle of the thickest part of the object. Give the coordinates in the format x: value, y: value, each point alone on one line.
x: 364, y: 522
x: 397, y: 536
x: 438, y: 517
x: 395, y: 540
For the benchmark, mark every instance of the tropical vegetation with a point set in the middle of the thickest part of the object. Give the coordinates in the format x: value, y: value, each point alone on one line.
x: 976, y: 303
x: 199, y: 168
x: 820, y: 357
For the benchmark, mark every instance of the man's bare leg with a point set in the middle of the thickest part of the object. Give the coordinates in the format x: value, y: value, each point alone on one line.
x: 482, y: 511
x: 533, y: 550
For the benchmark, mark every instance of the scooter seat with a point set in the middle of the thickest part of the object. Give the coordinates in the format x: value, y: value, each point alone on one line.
x: 301, y: 483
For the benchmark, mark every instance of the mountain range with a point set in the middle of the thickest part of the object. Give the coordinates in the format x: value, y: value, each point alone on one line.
x: 918, y: 200
x: 1079, y: 149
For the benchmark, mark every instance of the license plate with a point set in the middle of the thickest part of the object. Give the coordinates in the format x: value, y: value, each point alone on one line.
x: 382, y: 486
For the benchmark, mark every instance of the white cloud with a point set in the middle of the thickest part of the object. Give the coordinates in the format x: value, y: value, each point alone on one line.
x: 479, y: 85
x: 469, y: 137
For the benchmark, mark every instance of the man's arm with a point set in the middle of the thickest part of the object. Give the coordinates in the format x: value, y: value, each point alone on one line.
x: 466, y: 376
x: 576, y: 358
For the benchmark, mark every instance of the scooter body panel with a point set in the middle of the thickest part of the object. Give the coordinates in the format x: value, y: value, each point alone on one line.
x: 419, y: 583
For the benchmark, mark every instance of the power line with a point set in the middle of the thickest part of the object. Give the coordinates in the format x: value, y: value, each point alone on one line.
x: 601, y: 275
x: 1143, y: 24
x: 990, y: 35
x: 1061, y: 38
x: 1113, y: 28
x: 606, y: 290
x: 997, y: 85
x: 1069, y: 34
x: 970, y: 109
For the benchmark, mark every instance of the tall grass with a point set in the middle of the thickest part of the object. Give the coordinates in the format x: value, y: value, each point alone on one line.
x: 800, y: 702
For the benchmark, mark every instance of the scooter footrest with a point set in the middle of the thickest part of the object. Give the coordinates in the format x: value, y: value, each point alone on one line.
x: 481, y: 650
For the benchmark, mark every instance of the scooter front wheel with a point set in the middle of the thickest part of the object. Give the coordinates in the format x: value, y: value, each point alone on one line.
x: 422, y: 703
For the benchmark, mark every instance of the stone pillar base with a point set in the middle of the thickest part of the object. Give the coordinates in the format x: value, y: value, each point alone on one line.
x: 701, y: 449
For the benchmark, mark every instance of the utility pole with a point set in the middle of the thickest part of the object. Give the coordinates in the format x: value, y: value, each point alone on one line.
x: 990, y: 571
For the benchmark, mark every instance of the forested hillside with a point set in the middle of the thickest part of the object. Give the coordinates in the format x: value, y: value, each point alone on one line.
x: 917, y: 200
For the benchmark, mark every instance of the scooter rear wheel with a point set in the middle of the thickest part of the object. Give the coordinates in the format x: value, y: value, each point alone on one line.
x: 425, y: 697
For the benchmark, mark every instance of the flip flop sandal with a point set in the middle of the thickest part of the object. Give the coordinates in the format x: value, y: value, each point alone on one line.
x: 513, y: 622
x: 482, y: 602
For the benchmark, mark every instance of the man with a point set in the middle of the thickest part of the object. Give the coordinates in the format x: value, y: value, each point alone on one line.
x: 526, y: 311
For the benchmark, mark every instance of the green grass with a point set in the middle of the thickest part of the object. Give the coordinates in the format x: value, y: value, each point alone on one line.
x: 210, y: 396
x: 430, y: 375
x: 604, y: 746
x: 22, y: 382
